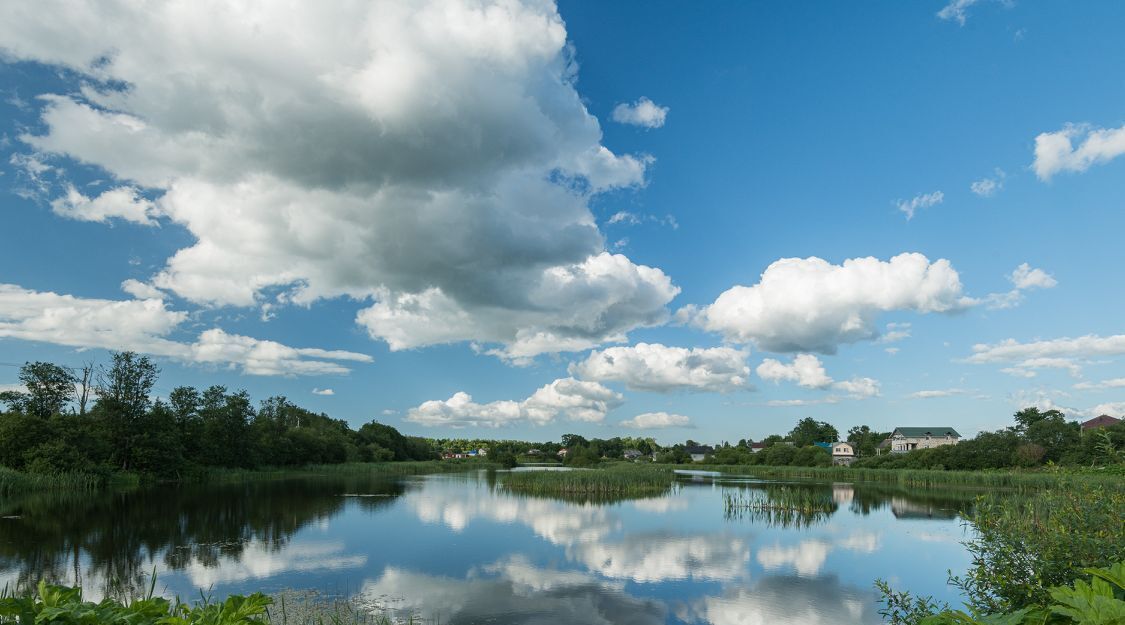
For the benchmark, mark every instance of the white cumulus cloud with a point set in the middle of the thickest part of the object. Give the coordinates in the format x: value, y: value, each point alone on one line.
x: 1055, y: 151
x: 323, y: 391
x: 146, y: 326
x: 657, y: 420
x: 644, y: 112
x: 568, y: 398
x: 660, y: 368
x: 1023, y: 278
x: 811, y: 305
x: 432, y: 156
x: 806, y: 370
x: 120, y: 203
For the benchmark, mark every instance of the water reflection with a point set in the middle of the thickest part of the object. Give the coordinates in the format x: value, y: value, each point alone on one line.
x: 458, y: 549
x: 512, y: 591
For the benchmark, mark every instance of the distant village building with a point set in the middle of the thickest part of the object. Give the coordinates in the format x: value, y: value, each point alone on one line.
x: 534, y: 452
x: 756, y: 447
x: 562, y: 452
x: 632, y: 454
x: 1102, y: 421
x: 842, y: 453
x: 908, y: 439
x: 699, y: 452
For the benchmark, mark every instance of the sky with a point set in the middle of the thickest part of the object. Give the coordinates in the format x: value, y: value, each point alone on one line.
x: 519, y: 219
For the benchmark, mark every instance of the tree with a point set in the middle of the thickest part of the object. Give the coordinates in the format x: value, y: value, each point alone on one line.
x: 124, y: 394
x: 865, y: 440
x: 49, y: 388
x: 572, y: 440
x: 83, y: 385
x: 809, y: 431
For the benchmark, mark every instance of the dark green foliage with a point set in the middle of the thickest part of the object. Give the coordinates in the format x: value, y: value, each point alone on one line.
x: 1101, y: 601
x: 64, y: 606
x: 1024, y: 546
x: 191, y: 432
x: 809, y: 431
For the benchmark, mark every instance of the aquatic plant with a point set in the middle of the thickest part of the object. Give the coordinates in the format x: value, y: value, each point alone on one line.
x: 779, y: 507
x: 15, y: 482
x: 617, y: 481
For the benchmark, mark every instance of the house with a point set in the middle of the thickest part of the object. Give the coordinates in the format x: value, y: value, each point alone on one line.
x: 756, y: 447
x: 825, y: 446
x: 699, y: 452
x: 482, y: 452
x: 534, y: 452
x: 842, y: 453
x: 562, y: 452
x: 907, y: 439
x: 632, y: 454
x: 1102, y: 421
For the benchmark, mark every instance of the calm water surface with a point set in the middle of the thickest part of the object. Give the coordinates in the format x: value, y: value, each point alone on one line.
x: 457, y: 549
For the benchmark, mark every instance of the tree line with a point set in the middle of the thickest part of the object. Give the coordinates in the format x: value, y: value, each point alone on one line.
x: 104, y: 420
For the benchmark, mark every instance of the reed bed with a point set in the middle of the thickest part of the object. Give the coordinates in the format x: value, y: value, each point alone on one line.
x: 625, y: 481
x: 390, y: 469
x: 779, y: 507
x: 16, y: 483
x: 1014, y: 480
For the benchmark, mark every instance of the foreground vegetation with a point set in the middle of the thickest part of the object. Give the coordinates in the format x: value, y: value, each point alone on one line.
x: 1024, y: 549
x: 58, y: 605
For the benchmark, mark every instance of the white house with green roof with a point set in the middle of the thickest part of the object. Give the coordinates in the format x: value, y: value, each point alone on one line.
x: 908, y: 439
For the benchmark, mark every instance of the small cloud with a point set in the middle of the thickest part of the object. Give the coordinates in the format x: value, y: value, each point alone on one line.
x: 1023, y: 278
x: 956, y: 11
x: 656, y: 421
x: 323, y: 391
x: 141, y: 290
x: 624, y: 217
x: 891, y: 350
x: 931, y: 394
x: 989, y: 186
x: 1027, y: 277
x: 644, y: 112
x: 924, y: 200
x: 620, y: 244
x: 388, y: 412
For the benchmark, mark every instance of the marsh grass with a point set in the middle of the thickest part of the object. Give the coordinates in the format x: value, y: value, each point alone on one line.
x: 614, y: 482
x: 389, y: 469
x: 779, y: 507
x: 1013, y: 480
x: 15, y: 482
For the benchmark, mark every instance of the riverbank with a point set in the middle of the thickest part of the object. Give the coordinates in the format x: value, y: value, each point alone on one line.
x: 1008, y: 479
x: 14, y: 483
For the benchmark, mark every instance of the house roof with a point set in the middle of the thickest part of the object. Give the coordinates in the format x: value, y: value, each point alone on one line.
x: 926, y: 431
x: 1101, y: 421
x: 757, y: 445
x: 824, y: 445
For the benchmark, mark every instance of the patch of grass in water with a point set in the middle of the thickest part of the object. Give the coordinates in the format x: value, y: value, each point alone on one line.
x: 610, y: 483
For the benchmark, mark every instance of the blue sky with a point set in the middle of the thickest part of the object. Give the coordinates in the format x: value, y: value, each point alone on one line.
x: 522, y: 219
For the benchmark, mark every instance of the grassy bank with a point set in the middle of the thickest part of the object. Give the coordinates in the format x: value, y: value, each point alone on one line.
x: 613, y: 481
x: 389, y: 469
x: 1013, y: 479
x: 18, y: 483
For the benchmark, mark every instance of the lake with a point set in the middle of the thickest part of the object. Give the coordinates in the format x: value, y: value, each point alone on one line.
x: 456, y: 548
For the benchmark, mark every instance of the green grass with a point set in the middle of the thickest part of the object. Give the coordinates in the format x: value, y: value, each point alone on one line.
x: 616, y: 481
x: 390, y: 469
x: 15, y: 482
x: 1011, y: 479
x: 779, y: 506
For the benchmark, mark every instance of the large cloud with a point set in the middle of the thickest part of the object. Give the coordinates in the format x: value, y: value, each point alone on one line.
x: 575, y: 400
x: 656, y: 367
x: 146, y: 326
x: 434, y: 156
x: 809, y: 304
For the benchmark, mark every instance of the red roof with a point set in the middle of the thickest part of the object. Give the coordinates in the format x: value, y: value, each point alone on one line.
x: 1103, y: 421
